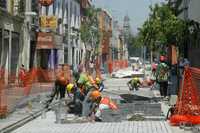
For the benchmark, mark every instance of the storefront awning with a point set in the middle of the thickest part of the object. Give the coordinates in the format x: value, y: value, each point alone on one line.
x: 45, y: 41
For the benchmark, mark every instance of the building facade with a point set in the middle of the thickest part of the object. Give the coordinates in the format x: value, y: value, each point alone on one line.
x: 62, y: 34
x: 11, y: 37
x: 117, y: 41
x: 192, y: 46
x: 105, y: 29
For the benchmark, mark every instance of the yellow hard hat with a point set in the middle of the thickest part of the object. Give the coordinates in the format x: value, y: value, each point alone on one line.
x: 135, y: 78
x: 97, y: 80
x: 69, y: 87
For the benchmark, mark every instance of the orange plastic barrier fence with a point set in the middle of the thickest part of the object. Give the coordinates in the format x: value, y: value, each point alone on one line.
x: 36, y: 80
x: 116, y: 65
x: 3, y: 105
x: 188, y: 104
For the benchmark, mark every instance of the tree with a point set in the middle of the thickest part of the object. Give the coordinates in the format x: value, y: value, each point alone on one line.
x: 90, y: 27
x: 162, y: 28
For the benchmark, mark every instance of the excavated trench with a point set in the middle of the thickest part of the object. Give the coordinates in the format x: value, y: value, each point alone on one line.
x: 134, y: 108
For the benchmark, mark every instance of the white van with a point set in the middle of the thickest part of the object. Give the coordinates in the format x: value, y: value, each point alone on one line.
x: 135, y: 62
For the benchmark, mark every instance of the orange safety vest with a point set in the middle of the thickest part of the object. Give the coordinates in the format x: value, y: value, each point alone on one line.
x: 107, y: 101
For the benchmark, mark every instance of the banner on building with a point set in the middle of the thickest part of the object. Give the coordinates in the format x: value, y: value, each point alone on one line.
x: 45, y: 41
x: 48, y: 22
x: 46, y: 2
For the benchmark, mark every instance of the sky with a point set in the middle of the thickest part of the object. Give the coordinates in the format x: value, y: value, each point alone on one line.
x: 137, y: 10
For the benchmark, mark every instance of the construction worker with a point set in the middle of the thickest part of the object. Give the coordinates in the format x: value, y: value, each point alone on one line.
x: 84, y: 83
x: 59, y: 88
x: 134, y: 83
x: 100, y: 84
x: 162, y: 75
x: 75, y: 105
x: 100, y: 103
x: 85, y: 87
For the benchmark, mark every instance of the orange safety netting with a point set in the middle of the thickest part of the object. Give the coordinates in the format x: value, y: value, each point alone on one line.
x: 13, y: 87
x: 115, y: 65
x: 188, y: 104
x: 3, y: 104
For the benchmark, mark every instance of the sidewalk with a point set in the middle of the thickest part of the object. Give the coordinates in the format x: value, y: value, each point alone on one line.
x: 48, y: 125
x: 21, y: 106
x: 15, y: 95
x: 28, y: 106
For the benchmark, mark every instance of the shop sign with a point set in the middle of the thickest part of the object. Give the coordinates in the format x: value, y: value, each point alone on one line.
x: 48, y: 22
x: 46, y: 2
x: 45, y: 41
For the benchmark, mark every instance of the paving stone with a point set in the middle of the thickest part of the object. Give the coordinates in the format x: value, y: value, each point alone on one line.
x: 48, y: 125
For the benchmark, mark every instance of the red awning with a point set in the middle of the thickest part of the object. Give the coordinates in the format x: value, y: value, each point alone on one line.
x: 45, y: 41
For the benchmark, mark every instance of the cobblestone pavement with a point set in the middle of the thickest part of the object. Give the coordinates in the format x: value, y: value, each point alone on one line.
x: 48, y: 125
x: 27, y: 106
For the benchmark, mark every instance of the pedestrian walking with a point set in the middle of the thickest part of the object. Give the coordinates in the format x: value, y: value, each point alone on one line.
x: 22, y: 75
x: 162, y: 76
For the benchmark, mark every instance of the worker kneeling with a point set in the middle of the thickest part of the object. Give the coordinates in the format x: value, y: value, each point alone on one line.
x: 75, y: 106
x: 101, y: 103
x: 134, y: 83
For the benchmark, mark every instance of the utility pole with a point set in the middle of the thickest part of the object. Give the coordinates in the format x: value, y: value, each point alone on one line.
x: 151, y: 52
